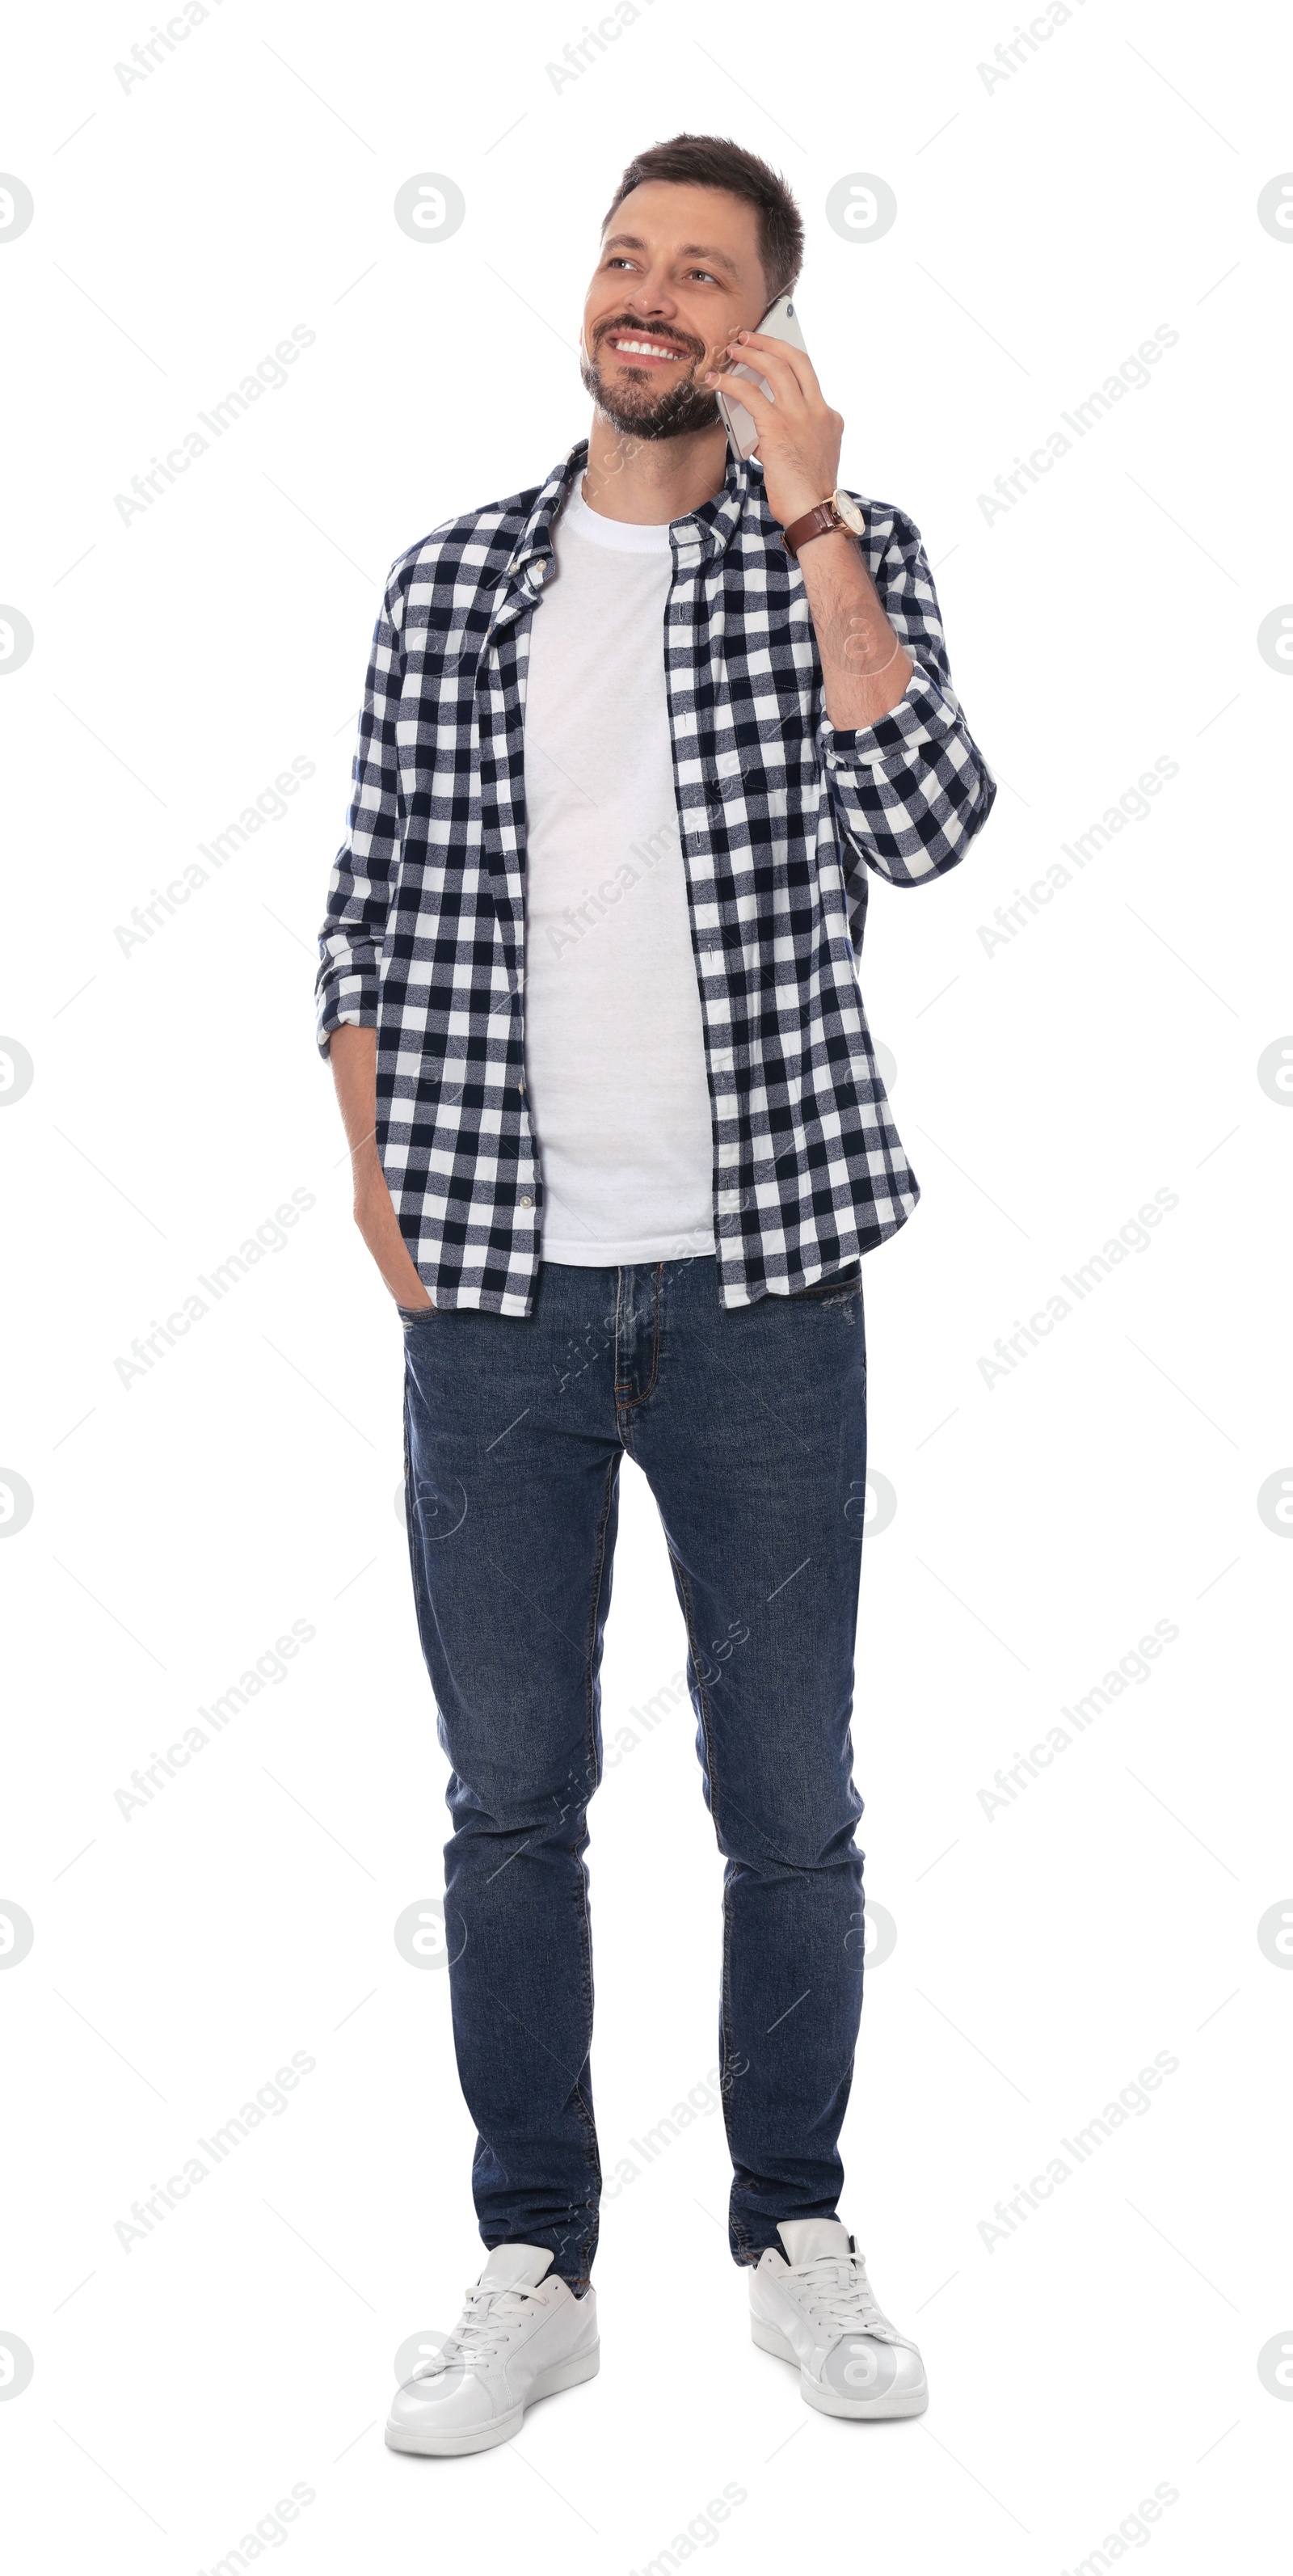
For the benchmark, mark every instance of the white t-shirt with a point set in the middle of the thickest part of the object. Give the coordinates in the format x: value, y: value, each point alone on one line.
x: 614, y: 1046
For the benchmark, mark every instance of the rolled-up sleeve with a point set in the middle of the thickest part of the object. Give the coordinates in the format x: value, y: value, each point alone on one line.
x: 911, y: 790
x: 362, y: 883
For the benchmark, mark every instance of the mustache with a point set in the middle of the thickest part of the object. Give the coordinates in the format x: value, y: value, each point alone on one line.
x: 628, y: 322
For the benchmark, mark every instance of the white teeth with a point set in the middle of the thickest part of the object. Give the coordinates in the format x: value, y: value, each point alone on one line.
x: 643, y: 349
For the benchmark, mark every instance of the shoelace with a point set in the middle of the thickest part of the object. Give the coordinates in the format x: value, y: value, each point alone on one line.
x: 487, y: 2320
x: 841, y: 2298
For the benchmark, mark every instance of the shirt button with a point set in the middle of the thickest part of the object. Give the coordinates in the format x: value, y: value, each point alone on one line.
x: 526, y: 1200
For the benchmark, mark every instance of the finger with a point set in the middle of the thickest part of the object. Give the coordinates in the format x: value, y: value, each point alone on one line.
x: 796, y: 361
x: 782, y: 382
x: 759, y: 405
x: 783, y: 402
x: 768, y: 358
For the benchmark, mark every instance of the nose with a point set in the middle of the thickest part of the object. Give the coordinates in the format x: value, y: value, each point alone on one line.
x: 653, y: 296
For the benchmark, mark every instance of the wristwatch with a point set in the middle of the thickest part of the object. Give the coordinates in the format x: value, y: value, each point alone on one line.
x: 841, y: 511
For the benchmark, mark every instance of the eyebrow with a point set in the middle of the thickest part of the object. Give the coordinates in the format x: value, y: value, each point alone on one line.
x: 686, y: 250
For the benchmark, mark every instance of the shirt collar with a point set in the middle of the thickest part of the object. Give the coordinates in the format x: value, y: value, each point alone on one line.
x: 702, y: 533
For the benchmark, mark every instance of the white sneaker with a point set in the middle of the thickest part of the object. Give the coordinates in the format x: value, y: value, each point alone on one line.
x: 817, y: 2309
x: 520, y: 2336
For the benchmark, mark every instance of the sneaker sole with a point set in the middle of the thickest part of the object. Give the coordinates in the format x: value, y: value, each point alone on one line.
x: 484, y: 2437
x: 912, y: 2401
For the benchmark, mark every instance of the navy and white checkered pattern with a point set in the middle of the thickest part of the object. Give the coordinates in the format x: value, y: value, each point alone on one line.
x: 780, y: 814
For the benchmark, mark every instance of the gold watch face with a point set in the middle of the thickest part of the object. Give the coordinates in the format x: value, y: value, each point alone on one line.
x: 849, y: 513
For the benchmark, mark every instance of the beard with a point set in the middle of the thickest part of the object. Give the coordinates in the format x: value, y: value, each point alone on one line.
x: 637, y: 409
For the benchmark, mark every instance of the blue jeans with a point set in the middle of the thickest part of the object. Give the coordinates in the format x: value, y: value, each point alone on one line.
x: 750, y: 1427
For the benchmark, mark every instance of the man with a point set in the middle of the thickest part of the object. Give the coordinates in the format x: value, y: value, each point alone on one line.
x: 631, y: 741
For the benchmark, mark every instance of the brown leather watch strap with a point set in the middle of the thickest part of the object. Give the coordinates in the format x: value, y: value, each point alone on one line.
x: 814, y: 523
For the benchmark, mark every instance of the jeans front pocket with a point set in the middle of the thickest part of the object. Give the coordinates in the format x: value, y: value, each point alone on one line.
x: 842, y: 1283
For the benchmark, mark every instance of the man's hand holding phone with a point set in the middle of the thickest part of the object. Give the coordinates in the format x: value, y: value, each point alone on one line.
x: 799, y: 434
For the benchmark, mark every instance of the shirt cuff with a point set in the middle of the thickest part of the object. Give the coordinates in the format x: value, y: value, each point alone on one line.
x: 927, y: 709
x: 352, y: 1015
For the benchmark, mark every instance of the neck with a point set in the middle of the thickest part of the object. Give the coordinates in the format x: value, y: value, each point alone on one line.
x: 651, y: 480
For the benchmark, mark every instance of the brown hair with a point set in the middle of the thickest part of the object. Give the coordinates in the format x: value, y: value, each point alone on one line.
x: 710, y: 161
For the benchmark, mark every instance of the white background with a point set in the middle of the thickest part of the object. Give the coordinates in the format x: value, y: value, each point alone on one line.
x: 1045, y: 1090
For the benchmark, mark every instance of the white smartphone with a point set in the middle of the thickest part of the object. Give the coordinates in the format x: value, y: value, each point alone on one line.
x: 780, y: 322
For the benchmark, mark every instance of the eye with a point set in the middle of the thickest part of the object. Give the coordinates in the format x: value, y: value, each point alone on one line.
x: 706, y: 273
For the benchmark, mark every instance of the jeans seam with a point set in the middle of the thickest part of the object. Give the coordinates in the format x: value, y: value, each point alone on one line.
x: 736, y: 2224
x: 599, y: 1568
x: 592, y: 2156
x: 410, y: 1507
x: 680, y: 1572
x: 594, y: 1775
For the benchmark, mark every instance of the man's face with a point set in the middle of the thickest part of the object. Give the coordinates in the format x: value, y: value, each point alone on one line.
x: 679, y: 272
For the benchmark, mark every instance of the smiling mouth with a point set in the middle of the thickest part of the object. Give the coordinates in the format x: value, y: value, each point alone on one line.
x: 638, y: 351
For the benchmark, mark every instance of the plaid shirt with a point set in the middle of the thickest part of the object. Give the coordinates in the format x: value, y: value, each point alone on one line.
x: 780, y: 814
